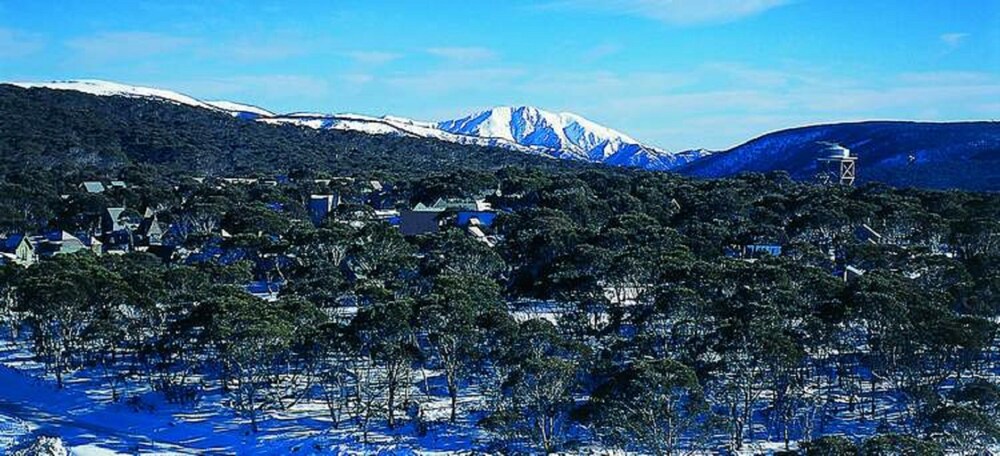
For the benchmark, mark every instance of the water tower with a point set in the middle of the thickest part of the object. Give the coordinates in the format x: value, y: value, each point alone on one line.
x: 836, y: 164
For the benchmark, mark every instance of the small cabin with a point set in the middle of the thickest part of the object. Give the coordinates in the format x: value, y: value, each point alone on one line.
x: 18, y: 249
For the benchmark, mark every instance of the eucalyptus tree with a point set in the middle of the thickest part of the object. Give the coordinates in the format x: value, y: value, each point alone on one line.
x: 451, y: 315
x: 70, y: 302
x: 253, y: 340
x: 650, y: 407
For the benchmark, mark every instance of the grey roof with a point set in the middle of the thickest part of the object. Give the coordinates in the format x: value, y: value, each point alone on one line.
x: 458, y: 204
x: 93, y: 187
x: 115, y: 212
x: 114, y: 219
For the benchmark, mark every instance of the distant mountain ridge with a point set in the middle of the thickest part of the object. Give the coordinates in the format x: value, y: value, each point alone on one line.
x: 962, y: 155
x: 525, y: 129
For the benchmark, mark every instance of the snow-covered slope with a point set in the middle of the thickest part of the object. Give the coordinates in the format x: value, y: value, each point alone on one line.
x: 525, y: 129
x: 106, y: 88
x: 392, y: 126
x: 240, y: 109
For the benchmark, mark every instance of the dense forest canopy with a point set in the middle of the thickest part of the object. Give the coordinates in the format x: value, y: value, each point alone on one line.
x: 617, y: 307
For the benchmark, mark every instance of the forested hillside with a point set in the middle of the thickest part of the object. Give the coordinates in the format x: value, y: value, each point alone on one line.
x: 42, y: 129
x: 961, y: 155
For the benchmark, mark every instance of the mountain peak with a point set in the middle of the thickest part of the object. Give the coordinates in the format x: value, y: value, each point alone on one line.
x: 563, y: 135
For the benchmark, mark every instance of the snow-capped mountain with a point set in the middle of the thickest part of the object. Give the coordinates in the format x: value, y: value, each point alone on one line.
x: 565, y: 135
x: 525, y: 129
x: 389, y: 125
x: 108, y: 88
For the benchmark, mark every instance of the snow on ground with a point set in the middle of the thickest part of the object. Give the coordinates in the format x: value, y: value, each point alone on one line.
x: 90, y: 424
x: 107, y: 88
x: 236, y: 108
x: 12, y: 430
x: 84, y: 418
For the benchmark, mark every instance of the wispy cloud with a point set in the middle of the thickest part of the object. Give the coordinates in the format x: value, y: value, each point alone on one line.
x: 132, y: 46
x: 255, y: 88
x: 15, y: 43
x: 257, y: 51
x: 495, y: 80
x: 373, y: 57
x: 601, y: 51
x: 110, y: 46
x: 462, y: 54
x: 678, y: 12
x: 953, y: 40
x: 357, y: 79
x: 946, y: 78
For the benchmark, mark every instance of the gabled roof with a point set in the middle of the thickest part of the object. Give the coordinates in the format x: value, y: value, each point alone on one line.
x: 93, y: 187
x: 150, y: 225
x: 66, y: 242
x: 421, y: 207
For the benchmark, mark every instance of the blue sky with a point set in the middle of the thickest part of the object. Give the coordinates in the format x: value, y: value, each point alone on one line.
x: 674, y: 73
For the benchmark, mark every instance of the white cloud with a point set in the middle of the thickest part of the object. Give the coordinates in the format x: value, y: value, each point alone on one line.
x: 493, y: 80
x: 255, y: 88
x: 373, y: 57
x: 257, y: 51
x: 946, y: 78
x: 679, y: 12
x: 953, y: 40
x: 601, y: 51
x: 15, y: 43
x: 462, y: 54
x: 110, y: 46
x: 357, y: 78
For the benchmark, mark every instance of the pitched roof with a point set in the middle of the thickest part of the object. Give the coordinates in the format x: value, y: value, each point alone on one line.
x: 421, y: 207
x: 150, y: 226
x: 93, y: 187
